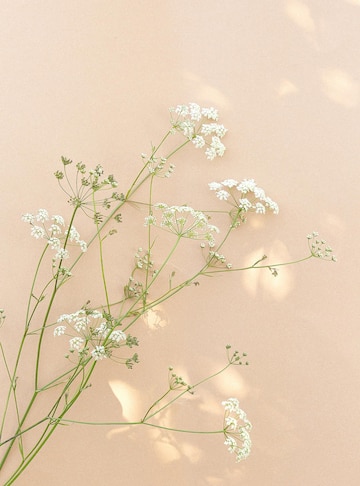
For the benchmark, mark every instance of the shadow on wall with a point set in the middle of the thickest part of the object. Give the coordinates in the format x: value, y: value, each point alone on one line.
x: 335, y: 83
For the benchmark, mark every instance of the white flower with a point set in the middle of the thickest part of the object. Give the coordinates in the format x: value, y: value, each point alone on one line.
x: 80, y: 322
x: 73, y: 234
x: 217, y: 148
x: 236, y: 429
x: 220, y: 131
x: 255, y: 200
x: 38, y: 232
x: 229, y: 183
x: 198, y: 141
x: 54, y: 243
x: 223, y: 195
x: 150, y: 220
x: 189, y: 121
x: 319, y: 248
x: 210, y: 128
x: 101, y: 330
x: 76, y: 343
x: 245, y: 204
x: 58, y: 220
x: 186, y: 222
x: 210, y: 153
x: 28, y: 218
x: 83, y: 245
x: 42, y: 216
x: 259, y: 208
x: 98, y: 353
x: 61, y: 254
x: 210, y: 113
x: 247, y: 185
x: 55, y: 229
x: 59, y: 330
x: 117, y: 336
x: 214, y: 186
x: 195, y: 111
x: 182, y: 110
x: 188, y: 128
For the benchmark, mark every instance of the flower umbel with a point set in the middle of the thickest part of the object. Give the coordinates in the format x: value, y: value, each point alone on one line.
x: 244, y: 197
x: 191, y: 120
x: 186, y: 222
x: 236, y: 429
x: 95, y: 333
x: 319, y: 248
x: 53, y: 232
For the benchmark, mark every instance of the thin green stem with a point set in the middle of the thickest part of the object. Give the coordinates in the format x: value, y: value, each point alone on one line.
x: 101, y: 256
x: 170, y: 429
x: 255, y: 266
x: 190, y: 389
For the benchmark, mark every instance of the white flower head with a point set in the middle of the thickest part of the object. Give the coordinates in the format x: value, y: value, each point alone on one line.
x: 117, y: 336
x: 42, y: 216
x: 61, y: 254
x: 28, y: 218
x: 252, y: 198
x: 150, y: 220
x: 99, y: 353
x: 186, y: 222
x: 319, y: 248
x: 58, y: 220
x: 59, y: 330
x: 210, y: 113
x: 223, y: 195
x: 192, y: 121
x: 76, y: 343
x: 236, y: 429
x: 54, y: 243
x: 38, y: 232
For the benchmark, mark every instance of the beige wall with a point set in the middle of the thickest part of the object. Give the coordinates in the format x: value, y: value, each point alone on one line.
x: 93, y: 80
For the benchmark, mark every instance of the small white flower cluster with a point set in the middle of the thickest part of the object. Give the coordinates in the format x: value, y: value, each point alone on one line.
x: 82, y: 322
x: 157, y: 166
x: 252, y: 197
x: 189, y: 120
x: 186, y: 222
x: 236, y: 429
x: 143, y: 259
x: 216, y: 259
x: 319, y: 248
x: 53, y: 233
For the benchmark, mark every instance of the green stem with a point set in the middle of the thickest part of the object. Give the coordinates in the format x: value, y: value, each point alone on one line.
x: 39, y: 348
x: 171, y: 429
x: 274, y: 265
x: 102, y: 266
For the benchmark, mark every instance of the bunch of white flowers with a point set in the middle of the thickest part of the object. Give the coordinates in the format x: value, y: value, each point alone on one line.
x: 102, y: 337
x: 186, y: 222
x: 53, y: 232
x: 319, y: 248
x: 192, y: 121
x: 236, y: 429
x: 251, y: 197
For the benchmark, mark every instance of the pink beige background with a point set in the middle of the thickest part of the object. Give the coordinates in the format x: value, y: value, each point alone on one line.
x: 93, y: 80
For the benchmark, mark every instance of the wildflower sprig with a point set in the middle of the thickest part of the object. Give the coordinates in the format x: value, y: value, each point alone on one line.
x: 199, y: 126
x: 102, y: 332
x: 52, y: 230
x: 319, y: 248
x: 88, y: 182
x: 235, y: 424
x: 236, y: 429
x: 244, y: 197
x: 186, y: 222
